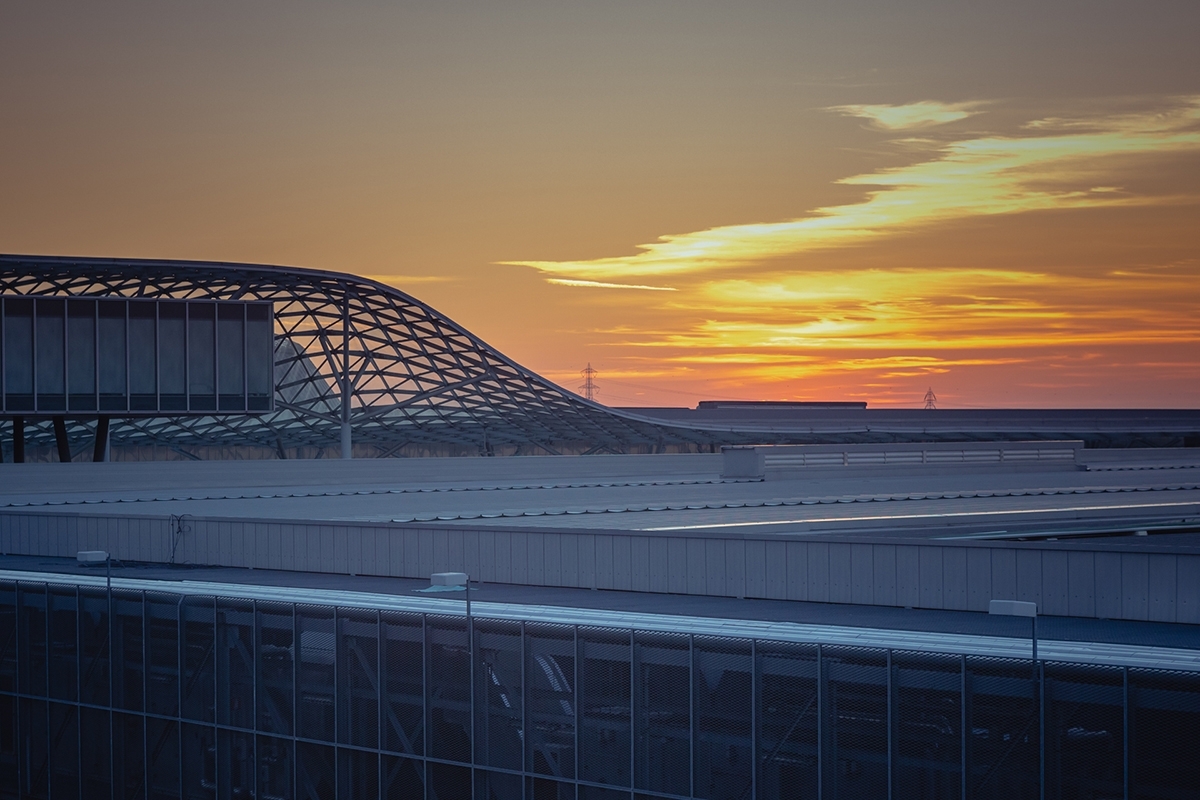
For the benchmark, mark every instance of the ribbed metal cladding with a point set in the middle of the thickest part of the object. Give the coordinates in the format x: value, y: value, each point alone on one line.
x: 197, y: 697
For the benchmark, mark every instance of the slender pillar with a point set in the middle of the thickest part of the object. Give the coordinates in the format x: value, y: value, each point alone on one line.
x: 100, y: 449
x: 60, y: 439
x: 347, y: 444
x: 18, y: 440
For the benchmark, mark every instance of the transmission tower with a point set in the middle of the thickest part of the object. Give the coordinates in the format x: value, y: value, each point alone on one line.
x: 588, y: 388
x: 930, y: 399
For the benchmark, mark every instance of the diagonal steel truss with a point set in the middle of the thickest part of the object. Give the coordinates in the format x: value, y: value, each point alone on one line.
x: 400, y: 372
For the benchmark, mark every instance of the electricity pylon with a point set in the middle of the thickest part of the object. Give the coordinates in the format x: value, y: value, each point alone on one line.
x: 589, y: 387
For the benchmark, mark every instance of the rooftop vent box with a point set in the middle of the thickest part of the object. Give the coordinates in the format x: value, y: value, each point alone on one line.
x: 448, y: 579
x: 91, y: 558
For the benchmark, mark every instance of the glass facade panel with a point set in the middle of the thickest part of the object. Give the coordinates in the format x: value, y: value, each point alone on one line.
x: 1002, y: 749
x: 81, y: 354
x: 403, y: 778
x: 358, y: 678
x: 198, y: 768
x: 162, y: 758
x: 129, y: 755
x: 316, y: 770
x: 662, y: 713
x: 499, y: 702
x: 276, y: 668
x: 18, y: 354
x: 260, y: 357
x: 1164, y: 718
x: 64, y: 750
x: 315, y: 678
x: 722, y: 692
x: 403, y: 682
x: 705, y: 711
x: 856, y: 715
x: 202, y: 376
x: 275, y: 767
x: 143, y: 347
x: 605, y: 701
x: 95, y: 756
x: 927, y: 726
x: 550, y: 700
x: 231, y: 357
x: 31, y: 639
x: 51, y: 355
x: 448, y: 690
x: 235, y: 663
x: 93, y: 646
x: 111, y: 354
x: 787, y: 720
x: 358, y: 773
x: 63, y: 649
x: 128, y: 650
x: 162, y: 655
x: 197, y: 618
x: 172, y: 356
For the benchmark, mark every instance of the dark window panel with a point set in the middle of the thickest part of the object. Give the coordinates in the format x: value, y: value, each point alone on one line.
x: 787, y: 720
x: 724, y: 760
x: 662, y: 713
x: 143, y: 382
x: 95, y: 756
x: 198, y: 770
x: 605, y: 707
x: 32, y: 639
x: 64, y: 651
x: 64, y: 750
x: 94, y: 662
x: 316, y: 771
x: 81, y: 354
x: 235, y: 663
x: 128, y: 651
x: 550, y: 700
x: 260, y: 355
x: 358, y: 773
x: 202, y: 387
x: 18, y: 354
x: 358, y: 678
x: 198, y: 623
x: 316, y: 679
x: 235, y: 763
x: 112, y: 374
x: 448, y: 690
x: 276, y: 765
x: 403, y: 778
x: 927, y: 725
x: 231, y: 357
x: 162, y: 758
x: 276, y: 669
x: 403, y: 683
x: 172, y: 356
x: 51, y: 355
x: 499, y: 700
x: 162, y: 654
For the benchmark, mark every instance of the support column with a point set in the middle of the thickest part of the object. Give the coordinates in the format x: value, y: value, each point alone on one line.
x: 60, y: 439
x: 347, y: 444
x: 18, y: 440
x: 100, y: 450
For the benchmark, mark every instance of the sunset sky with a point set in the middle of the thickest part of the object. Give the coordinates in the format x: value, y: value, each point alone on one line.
x: 853, y: 200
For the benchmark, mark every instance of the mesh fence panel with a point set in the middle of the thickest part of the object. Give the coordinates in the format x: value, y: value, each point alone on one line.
x: 276, y: 667
x: 403, y: 683
x: 31, y: 639
x: 358, y: 773
x: 199, y: 767
x: 499, y: 696
x: 497, y: 786
x: 1085, y: 739
x: 128, y: 650
x: 315, y: 673
x: 403, y: 778
x: 64, y: 750
x: 95, y: 758
x: 448, y: 690
x: 1002, y: 745
x: 198, y: 621
x: 162, y: 758
x: 316, y: 771
x: 1164, y: 715
x: 722, y: 693
x: 927, y: 726
x: 605, y: 706
x: 235, y: 763
x: 235, y: 663
x: 856, y: 718
x: 550, y: 700
x: 358, y: 677
x: 162, y: 654
x: 787, y: 720
x: 62, y: 645
x: 662, y: 713
x: 276, y: 767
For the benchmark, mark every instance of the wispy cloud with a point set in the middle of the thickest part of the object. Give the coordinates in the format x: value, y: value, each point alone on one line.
x: 1055, y: 166
x: 603, y: 285
x: 910, y: 116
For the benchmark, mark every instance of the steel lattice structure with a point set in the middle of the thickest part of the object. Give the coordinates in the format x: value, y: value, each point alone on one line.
x: 349, y: 349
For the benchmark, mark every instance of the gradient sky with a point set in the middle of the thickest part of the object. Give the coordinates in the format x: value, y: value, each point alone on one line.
x: 761, y: 200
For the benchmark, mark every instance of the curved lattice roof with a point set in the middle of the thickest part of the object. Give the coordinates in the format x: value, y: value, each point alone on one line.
x: 415, y: 377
